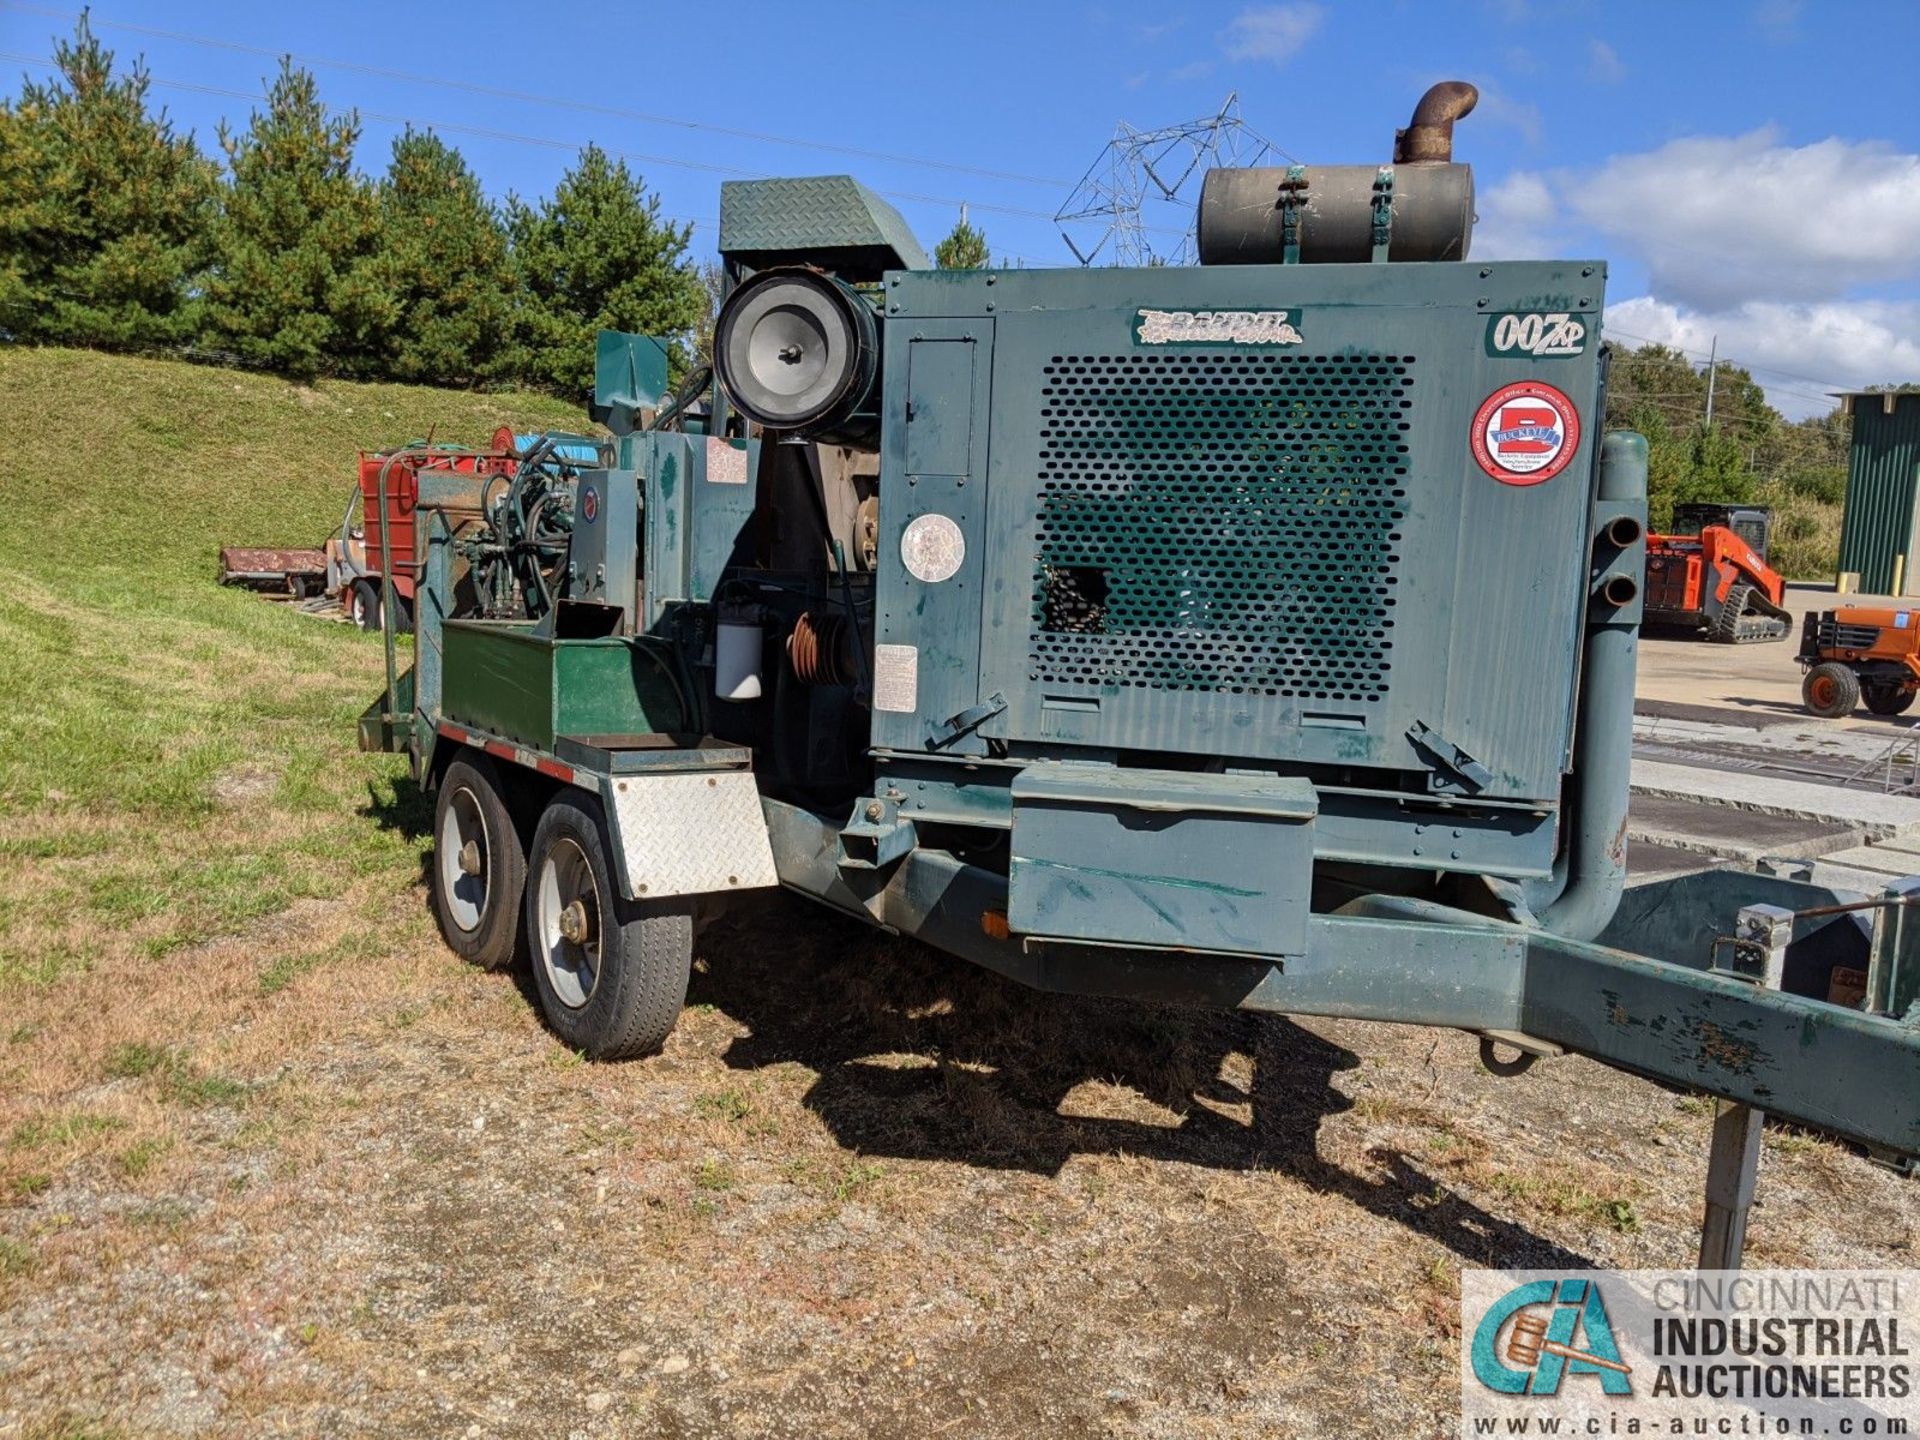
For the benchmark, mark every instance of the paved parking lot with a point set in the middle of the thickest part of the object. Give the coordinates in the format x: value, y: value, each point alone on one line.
x: 1760, y: 681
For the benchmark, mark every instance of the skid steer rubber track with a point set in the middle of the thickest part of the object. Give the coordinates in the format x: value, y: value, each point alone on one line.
x: 1749, y: 617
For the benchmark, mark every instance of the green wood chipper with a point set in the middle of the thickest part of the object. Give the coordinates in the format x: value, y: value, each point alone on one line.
x: 1255, y: 634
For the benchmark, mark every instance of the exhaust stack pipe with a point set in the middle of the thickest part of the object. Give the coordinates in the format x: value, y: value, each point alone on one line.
x: 1428, y: 138
x: 1591, y: 870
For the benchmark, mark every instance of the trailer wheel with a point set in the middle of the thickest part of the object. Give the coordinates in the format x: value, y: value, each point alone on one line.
x: 612, y: 973
x: 479, y: 866
x: 363, y: 604
x: 1831, y: 690
x: 1887, y: 699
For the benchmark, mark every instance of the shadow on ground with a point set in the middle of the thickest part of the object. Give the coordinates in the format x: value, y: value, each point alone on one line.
x: 1782, y: 707
x: 921, y: 1056
x: 397, y: 803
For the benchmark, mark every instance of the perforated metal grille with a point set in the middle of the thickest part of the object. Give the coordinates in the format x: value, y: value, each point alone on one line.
x: 1221, y: 522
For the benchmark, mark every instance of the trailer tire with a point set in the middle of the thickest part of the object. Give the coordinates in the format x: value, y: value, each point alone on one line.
x: 477, y: 893
x: 1831, y: 690
x: 363, y: 604
x: 1884, y: 698
x: 611, y: 972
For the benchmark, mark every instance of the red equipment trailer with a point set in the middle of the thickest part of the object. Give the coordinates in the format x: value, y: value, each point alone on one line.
x: 384, y: 541
x: 377, y: 537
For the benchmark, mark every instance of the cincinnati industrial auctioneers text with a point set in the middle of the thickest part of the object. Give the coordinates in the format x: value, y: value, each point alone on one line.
x: 1761, y: 1355
x: 1679, y: 1352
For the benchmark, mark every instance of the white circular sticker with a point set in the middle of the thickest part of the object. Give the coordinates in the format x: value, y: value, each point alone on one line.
x: 932, y: 548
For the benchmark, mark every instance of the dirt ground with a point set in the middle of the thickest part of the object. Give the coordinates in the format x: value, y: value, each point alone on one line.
x: 865, y: 1191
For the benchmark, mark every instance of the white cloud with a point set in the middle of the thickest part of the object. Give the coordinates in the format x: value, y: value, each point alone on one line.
x: 1522, y: 115
x: 1192, y: 70
x: 1787, y: 253
x: 1271, y: 32
x: 1797, y: 350
x: 1603, y: 63
x: 1520, y: 60
x: 1518, y: 219
x: 1723, y: 219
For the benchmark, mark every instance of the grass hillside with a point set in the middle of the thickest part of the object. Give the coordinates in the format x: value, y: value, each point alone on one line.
x: 143, y: 699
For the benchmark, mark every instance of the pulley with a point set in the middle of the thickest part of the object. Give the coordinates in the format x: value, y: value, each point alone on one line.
x: 799, y: 351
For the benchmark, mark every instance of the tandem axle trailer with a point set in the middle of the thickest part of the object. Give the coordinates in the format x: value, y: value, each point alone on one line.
x: 1257, y: 635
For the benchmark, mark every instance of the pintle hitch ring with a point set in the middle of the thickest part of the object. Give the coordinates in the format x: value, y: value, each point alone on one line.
x: 1527, y: 1049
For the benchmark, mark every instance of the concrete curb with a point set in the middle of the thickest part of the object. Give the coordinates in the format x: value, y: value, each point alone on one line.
x: 1874, y: 817
x: 1812, y: 847
x: 1846, y: 877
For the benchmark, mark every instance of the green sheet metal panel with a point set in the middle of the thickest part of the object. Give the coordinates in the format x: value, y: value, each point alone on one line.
x: 1155, y: 857
x: 629, y: 375
x: 949, y: 426
x: 503, y: 678
x: 1261, y: 486
x: 498, y: 677
x: 611, y: 687
x: 830, y: 216
x: 1883, y: 470
x: 697, y: 493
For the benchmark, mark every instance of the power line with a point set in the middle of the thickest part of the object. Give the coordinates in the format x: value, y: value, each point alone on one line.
x: 1754, y: 369
x: 454, y: 127
x: 482, y: 132
x: 415, y: 77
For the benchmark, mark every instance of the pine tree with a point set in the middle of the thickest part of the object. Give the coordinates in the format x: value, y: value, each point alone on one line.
x: 597, y: 255
x: 104, y: 211
x: 713, y: 284
x: 965, y: 248
x: 445, y: 262
x: 297, y: 284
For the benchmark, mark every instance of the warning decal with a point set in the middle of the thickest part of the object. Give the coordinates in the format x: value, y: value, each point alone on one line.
x: 1525, y: 433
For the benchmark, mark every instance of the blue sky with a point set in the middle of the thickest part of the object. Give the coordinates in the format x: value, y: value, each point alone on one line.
x: 1750, y: 170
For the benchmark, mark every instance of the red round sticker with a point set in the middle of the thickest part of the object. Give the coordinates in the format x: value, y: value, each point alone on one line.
x: 1525, y: 433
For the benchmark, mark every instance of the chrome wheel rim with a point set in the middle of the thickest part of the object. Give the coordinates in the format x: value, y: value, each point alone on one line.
x: 465, y: 862
x: 568, y: 911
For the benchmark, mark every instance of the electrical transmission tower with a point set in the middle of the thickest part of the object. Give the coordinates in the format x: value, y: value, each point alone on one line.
x: 1136, y: 202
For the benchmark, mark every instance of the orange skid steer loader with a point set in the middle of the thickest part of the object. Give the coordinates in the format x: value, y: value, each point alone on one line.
x: 1711, y: 575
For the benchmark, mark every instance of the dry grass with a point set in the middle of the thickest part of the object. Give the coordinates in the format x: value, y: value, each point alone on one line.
x: 1806, y: 535
x: 272, y: 1161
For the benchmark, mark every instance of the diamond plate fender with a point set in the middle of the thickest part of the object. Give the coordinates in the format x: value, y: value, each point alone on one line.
x: 689, y: 834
